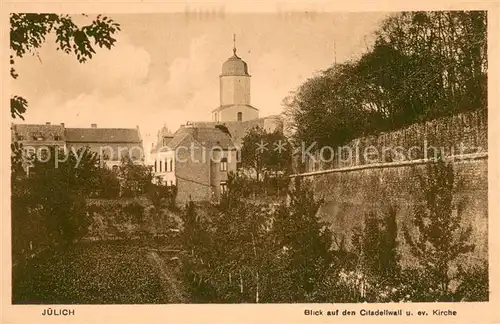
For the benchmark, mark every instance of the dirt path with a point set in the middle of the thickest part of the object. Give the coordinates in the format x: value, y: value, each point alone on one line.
x: 172, y: 286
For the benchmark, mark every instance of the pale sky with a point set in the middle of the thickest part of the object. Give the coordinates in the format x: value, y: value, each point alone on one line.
x: 165, y: 68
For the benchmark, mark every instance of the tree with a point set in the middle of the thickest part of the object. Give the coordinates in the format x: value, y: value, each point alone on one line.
x: 423, y: 65
x: 227, y: 251
x: 252, y: 156
x: 109, y: 185
x: 247, y: 252
x: 440, y: 239
x: 278, y: 159
x: 302, y: 248
x: 134, y: 178
x: 28, y: 32
x: 52, y: 195
x: 331, y: 108
x: 428, y: 64
x: 377, y: 263
x: 265, y: 152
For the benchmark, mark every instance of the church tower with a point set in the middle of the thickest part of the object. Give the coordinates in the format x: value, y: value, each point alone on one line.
x: 234, y: 91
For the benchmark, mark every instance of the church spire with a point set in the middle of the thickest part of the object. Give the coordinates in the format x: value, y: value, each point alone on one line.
x: 234, y: 44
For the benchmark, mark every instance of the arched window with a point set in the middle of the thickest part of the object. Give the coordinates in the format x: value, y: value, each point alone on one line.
x: 240, y: 116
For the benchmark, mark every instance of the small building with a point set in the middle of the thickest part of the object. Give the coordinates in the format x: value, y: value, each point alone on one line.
x: 112, y: 144
x: 37, y: 136
x: 197, y: 160
x: 163, y: 159
x: 235, y: 114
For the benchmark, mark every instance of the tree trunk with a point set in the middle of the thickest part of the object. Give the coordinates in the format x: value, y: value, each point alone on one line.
x: 257, y: 271
x: 241, y: 283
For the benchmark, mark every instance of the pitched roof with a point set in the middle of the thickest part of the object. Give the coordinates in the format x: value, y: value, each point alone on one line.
x: 175, y: 142
x: 209, y: 137
x: 29, y: 131
x: 238, y: 129
x: 163, y: 137
x: 103, y: 135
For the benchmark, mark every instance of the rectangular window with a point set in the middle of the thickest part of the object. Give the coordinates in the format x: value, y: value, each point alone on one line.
x: 223, y: 164
x: 155, y: 165
x: 223, y: 187
x: 169, y: 165
x: 161, y: 162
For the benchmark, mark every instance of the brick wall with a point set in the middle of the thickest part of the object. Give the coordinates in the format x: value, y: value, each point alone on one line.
x: 192, y: 173
x: 350, y: 194
x: 460, y: 134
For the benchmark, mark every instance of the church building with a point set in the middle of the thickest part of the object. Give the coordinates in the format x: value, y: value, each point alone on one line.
x: 234, y: 92
x: 206, y: 181
x: 235, y: 110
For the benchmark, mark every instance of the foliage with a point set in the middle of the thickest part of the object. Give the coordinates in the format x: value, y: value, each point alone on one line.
x: 246, y: 252
x: 28, y: 32
x: 474, y: 284
x: 441, y: 239
x: 48, y: 205
x: 327, y: 110
x: 302, y: 245
x: 228, y: 253
x: 109, y: 185
x: 161, y: 194
x: 265, y: 153
x: 269, y: 186
x: 376, y: 245
x: 95, y: 273
x: 423, y: 65
x: 134, y: 178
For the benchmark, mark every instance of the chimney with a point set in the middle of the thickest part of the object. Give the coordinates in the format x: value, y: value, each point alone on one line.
x: 47, y: 123
x: 62, y: 124
x: 93, y: 125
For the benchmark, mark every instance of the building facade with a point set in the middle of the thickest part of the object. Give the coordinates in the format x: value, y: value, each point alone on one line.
x: 234, y: 92
x: 197, y: 160
x: 38, y: 136
x: 111, y: 144
x: 176, y: 157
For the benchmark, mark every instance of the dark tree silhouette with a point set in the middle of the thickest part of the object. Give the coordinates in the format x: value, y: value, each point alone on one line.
x: 28, y: 32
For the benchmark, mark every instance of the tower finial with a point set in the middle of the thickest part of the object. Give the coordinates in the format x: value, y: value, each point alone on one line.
x: 234, y: 44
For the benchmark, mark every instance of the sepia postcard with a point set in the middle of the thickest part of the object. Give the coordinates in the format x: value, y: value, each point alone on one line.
x: 247, y: 162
